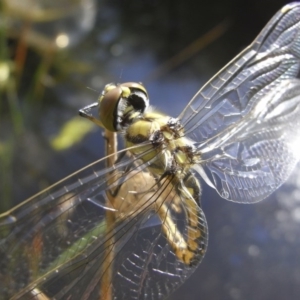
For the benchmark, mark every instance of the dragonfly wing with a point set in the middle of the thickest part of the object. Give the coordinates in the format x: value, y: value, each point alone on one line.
x: 246, y: 153
x: 97, y: 233
x: 233, y: 92
x: 148, y: 266
x: 262, y: 149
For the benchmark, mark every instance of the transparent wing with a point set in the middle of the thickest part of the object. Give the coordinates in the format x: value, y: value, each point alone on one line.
x: 100, y: 233
x: 246, y: 154
x: 261, y: 151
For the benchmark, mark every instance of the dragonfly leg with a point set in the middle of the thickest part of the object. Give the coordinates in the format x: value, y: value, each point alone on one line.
x: 84, y: 112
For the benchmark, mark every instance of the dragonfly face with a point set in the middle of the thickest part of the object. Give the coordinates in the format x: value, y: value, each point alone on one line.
x: 135, y: 229
x: 119, y: 104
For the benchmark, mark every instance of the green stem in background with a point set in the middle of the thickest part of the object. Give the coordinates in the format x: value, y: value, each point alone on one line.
x: 6, y: 158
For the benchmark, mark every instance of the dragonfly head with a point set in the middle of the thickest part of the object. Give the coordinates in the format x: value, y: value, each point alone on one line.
x: 120, y: 104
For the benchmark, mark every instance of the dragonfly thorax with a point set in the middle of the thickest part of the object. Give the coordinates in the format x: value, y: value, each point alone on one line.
x: 162, y: 143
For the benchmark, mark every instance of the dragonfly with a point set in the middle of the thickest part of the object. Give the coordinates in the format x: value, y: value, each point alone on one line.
x: 130, y: 225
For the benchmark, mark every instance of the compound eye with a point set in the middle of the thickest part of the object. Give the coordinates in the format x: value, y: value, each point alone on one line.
x: 120, y: 104
x: 108, y: 104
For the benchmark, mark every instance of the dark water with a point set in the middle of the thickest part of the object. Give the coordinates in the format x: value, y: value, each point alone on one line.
x: 253, y: 250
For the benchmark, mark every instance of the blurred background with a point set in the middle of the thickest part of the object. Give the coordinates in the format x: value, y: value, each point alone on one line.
x: 56, y: 57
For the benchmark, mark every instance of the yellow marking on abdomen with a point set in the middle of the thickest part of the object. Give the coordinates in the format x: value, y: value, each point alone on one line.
x: 189, y: 247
